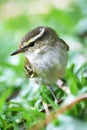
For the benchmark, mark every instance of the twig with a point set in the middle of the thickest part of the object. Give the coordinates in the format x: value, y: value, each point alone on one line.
x: 46, y: 108
x: 59, y: 111
x: 62, y: 86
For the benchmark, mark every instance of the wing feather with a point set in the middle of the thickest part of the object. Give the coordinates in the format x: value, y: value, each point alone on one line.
x: 28, y: 69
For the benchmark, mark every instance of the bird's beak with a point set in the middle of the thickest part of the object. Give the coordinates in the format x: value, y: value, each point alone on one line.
x: 20, y: 50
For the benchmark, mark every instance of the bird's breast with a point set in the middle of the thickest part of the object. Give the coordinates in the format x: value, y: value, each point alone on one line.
x: 49, y: 65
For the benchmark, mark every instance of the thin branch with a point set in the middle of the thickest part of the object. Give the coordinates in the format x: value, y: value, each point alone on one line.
x: 61, y: 110
x: 46, y: 108
x: 63, y: 87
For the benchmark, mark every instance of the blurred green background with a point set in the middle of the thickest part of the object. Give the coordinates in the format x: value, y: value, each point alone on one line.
x: 17, y: 17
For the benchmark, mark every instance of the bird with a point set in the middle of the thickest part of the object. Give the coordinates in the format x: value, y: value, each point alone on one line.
x: 46, y: 54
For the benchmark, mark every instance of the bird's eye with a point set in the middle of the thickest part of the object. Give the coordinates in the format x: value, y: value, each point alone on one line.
x: 31, y: 44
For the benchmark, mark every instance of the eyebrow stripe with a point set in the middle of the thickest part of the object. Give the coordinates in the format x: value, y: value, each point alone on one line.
x: 37, y: 36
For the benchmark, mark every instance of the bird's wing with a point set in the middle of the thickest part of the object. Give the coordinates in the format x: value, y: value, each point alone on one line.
x: 65, y: 44
x: 28, y: 69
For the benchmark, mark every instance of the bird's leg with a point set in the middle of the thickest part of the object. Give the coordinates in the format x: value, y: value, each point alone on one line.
x: 52, y: 92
